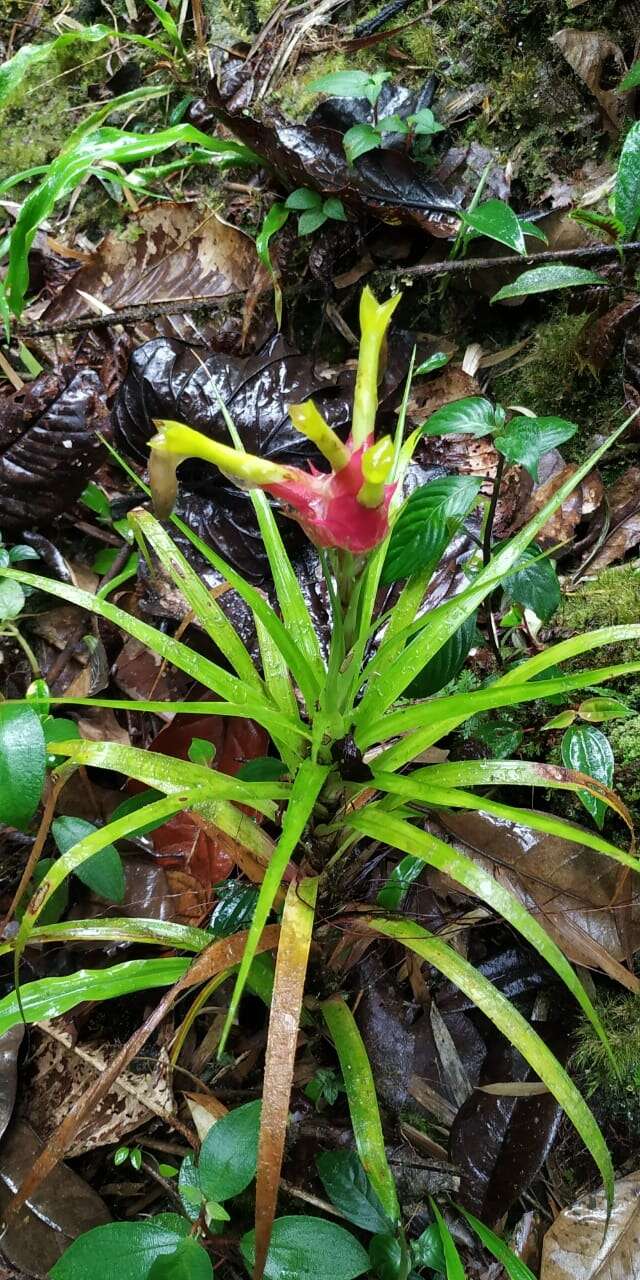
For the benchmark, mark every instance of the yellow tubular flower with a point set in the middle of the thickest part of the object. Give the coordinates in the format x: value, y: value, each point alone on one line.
x: 307, y: 419
x: 175, y: 442
x: 374, y: 322
x: 376, y: 466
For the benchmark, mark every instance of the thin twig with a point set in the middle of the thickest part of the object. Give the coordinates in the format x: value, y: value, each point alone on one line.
x: 587, y: 253
x: 127, y: 315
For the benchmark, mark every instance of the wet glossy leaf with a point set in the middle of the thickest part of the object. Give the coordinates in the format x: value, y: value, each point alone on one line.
x: 534, y: 584
x: 427, y: 1250
x: 436, y: 361
x: 49, y: 997
x: 189, y: 1262
x: 500, y: 1143
x: 586, y: 748
x: 541, y: 279
x: 627, y: 192
x: 309, y: 1249
x: 472, y: 416
x: 447, y: 662
x: 49, y: 446
x: 126, y: 1249
x: 22, y: 764
x: 348, y: 1188
x: 585, y: 1243
x: 387, y: 1257
x: 526, y: 440
x: 596, y: 710
x: 103, y: 873
x: 9, y: 1047
x: 496, y: 220
x: 63, y: 1207
x: 12, y: 599
x: 229, y: 1153
x: 234, y: 908
x: 427, y: 523
x: 359, y: 139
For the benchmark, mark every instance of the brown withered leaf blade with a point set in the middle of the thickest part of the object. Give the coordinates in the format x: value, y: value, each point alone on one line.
x: 569, y: 887
x: 49, y: 446
x: 63, y: 1207
x: 500, y: 1143
x: 585, y: 1244
x: 168, y: 251
x: 282, y: 1043
x: 588, y: 54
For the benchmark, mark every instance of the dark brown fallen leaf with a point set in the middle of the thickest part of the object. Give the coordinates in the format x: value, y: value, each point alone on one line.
x: 588, y: 54
x: 500, y: 1143
x: 584, y: 506
x: 601, y: 336
x: 385, y: 182
x: 49, y: 448
x: 9, y: 1047
x: 624, y: 521
x: 569, y: 887
x: 584, y: 1243
x: 167, y: 251
x: 63, y: 1207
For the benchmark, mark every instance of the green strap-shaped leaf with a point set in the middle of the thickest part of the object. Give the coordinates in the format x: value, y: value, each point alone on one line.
x: 363, y: 1103
x: 515, y: 1268
x: 277, y: 724
x: 511, y: 1023
x: 306, y: 788
x: 440, y: 715
x: 50, y: 997
x: 452, y: 1259
x: 168, y: 774
x: 428, y: 792
x: 389, y: 684
x: 162, y: 933
x: 375, y: 822
x: 199, y: 598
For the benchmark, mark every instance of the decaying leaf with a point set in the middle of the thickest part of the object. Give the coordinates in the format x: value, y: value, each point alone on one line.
x: 585, y: 1244
x: 568, y: 886
x: 60, y: 1072
x: 588, y: 53
x: 9, y: 1047
x: 63, y: 1207
x: 168, y: 251
x: 48, y: 445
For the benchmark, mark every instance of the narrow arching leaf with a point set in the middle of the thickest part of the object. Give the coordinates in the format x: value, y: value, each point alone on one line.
x: 393, y: 679
x: 363, y: 1103
x: 452, y: 1259
x: 304, y: 794
x: 541, y: 279
x: 199, y: 598
x: 22, y: 764
x: 515, y: 1268
x: 400, y: 834
x: 282, y: 1043
x: 511, y: 1023
x: 49, y: 997
x: 162, y: 933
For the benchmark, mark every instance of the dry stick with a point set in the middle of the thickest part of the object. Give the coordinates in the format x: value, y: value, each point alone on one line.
x: 587, y: 253
x: 54, y: 787
x: 426, y: 271
x: 220, y: 955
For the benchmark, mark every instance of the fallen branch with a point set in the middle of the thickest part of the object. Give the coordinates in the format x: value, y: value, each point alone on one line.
x: 588, y: 253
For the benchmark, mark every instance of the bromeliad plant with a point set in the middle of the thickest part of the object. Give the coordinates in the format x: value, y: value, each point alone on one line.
x: 352, y: 706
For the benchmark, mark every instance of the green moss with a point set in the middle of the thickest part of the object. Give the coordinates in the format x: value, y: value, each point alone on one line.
x: 618, y: 1095
x: 421, y: 41
x: 624, y: 736
x: 611, y: 599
